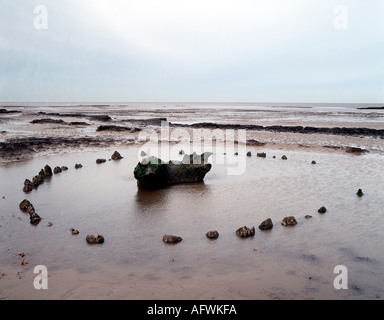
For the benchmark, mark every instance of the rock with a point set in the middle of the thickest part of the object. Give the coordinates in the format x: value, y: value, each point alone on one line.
x: 360, y: 193
x: 266, y: 224
x: 153, y: 173
x: 236, y: 153
x: 289, y: 221
x: 101, y: 117
x: 28, y: 186
x: 100, y: 160
x: 53, y: 121
x: 313, y: 162
x: 26, y: 206
x: 308, y: 216
x: 284, y: 157
x: 78, y: 165
x: 116, y: 156
x: 8, y: 111
x: 24, y: 262
x: 167, y: 238
x: 143, y: 154
x: 64, y: 168
x: 37, y: 180
x: 117, y: 129
x: 47, y: 171
x: 74, y: 231
x: 78, y: 123
x: 355, y: 150
x: 245, y: 232
x: 249, y: 154
x: 181, y: 152
x: 57, y: 170
x: 254, y: 142
x: 49, y: 224
x: 322, y: 210
x: 274, y: 157
x: 212, y: 234
x: 34, y: 218
x: 295, y: 129
x: 91, y: 239
x: 261, y: 154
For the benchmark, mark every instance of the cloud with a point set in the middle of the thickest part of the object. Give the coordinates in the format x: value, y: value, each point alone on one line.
x: 190, y: 50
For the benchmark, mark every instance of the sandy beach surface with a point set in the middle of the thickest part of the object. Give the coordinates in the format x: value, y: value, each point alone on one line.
x: 286, y: 262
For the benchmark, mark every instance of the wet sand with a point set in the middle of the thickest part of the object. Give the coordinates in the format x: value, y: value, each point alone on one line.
x: 133, y: 263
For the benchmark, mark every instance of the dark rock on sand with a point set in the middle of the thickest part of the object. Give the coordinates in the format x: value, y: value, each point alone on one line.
x: 5, y: 111
x: 371, y: 108
x: 261, y: 154
x: 255, y: 143
x: 100, y: 160
x: 167, y: 238
x: 103, y: 118
x: 360, y: 193
x: 34, y: 218
x: 313, y: 162
x: 355, y: 150
x: 57, y: 170
x: 91, y: 239
x: 284, y: 157
x: 322, y: 210
x: 245, y: 232
x: 153, y: 173
x: 212, y: 234
x: 27, y: 145
x: 64, y: 168
x: 308, y: 216
x: 293, y: 129
x: 28, y: 186
x: 27, y: 207
x: 116, y: 156
x: 38, y: 180
x: 47, y: 171
x: 266, y: 224
x: 146, y: 122
x: 49, y: 121
x: 249, y: 154
x: 117, y: 128
x: 78, y: 165
x: 78, y: 123
x: 289, y: 221
x: 74, y: 231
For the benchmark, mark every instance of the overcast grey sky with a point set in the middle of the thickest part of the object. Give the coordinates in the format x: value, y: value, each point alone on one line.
x: 192, y: 51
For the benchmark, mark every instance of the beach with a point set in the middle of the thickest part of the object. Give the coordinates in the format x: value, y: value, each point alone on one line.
x: 331, y: 150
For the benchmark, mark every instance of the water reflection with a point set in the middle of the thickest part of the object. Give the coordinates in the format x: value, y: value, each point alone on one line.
x: 161, y: 199
x: 146, y: 200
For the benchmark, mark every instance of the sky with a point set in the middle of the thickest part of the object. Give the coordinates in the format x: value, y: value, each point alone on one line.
x: 192, y: 51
